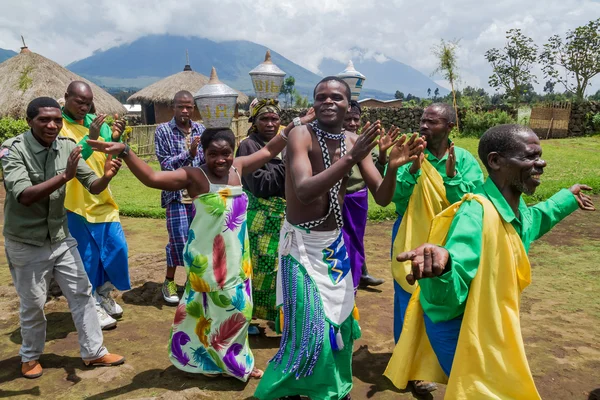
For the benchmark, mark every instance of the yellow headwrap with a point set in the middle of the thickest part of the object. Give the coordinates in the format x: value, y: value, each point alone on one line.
x: 258, y: 107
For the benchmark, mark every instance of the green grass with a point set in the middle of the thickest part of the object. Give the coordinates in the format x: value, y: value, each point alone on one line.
x: 569, y: 161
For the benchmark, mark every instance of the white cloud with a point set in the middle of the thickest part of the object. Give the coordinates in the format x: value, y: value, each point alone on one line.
x: 304, y: 32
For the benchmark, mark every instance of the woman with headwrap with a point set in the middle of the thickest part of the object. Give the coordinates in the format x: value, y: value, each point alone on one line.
x: 265, y: 188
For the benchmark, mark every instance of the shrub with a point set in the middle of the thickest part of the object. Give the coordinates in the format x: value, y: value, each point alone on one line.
x: 10, y: 128
x: 596, y: 122
x: 474, y: 124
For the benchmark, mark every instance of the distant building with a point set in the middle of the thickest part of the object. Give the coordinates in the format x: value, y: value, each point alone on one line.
x: 395, y: 103
x: 156, y: 100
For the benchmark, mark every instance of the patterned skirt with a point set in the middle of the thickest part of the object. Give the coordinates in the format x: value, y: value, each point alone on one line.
x: 265, y: 218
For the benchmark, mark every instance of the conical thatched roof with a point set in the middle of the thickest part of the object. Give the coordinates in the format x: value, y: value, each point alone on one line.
x: 164, y: 90
x: 29, y: 75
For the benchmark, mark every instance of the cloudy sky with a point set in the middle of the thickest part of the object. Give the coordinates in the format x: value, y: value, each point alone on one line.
x: 303, y: 31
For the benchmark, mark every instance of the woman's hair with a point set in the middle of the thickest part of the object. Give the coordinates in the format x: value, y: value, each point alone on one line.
x: 212, y: 134
x: 355, y: 107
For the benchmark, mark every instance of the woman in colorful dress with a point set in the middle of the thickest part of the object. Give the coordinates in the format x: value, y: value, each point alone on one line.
x: 210, y: 331
x: 265, y: 188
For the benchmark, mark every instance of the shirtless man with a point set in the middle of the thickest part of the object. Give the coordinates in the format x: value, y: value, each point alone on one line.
x: 314, y: 283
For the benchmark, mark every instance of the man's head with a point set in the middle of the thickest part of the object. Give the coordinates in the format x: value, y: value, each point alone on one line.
x: 512, y: 155
x: 45, y: 119
x: 352, y: 119
x: 264, y: 115
x: 78, y: 100
x: 183, y: 106
x: 436, y: 123
x: 332, y: 101
x: 218, y: 145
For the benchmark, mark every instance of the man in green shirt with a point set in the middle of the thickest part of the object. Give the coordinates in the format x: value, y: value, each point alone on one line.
x: 37, y: 165
x: 512, y: 156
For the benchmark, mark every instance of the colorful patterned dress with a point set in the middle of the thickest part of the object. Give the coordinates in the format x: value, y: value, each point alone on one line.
x: 210, y: 331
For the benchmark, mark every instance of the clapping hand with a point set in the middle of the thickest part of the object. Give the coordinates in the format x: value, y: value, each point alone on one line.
x: 451, y: 162
x: 388, y: 139
x: 366, y: 141
x: 194, y: 146
x: 111, y: 166
x: 118, y: 128
x: 405, y: 151
x: 309, y: 117
x: 72, y: 161
x: 95, y: 126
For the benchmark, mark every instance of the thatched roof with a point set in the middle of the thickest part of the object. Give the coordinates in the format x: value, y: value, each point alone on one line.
x: 29, y: 75
x: 164, y: 90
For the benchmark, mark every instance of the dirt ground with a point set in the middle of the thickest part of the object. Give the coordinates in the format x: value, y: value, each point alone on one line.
x: 561, y: 327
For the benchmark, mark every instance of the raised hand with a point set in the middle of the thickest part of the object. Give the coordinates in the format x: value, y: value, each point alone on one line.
x: 309, y: 117
x: 406, y: 151
x: 194, y: 146
x: 118, y: 128
x: 451, y: 162
x: 584, y: 201
x: 111, y: 166
x: 366, y: 141
x: 72, y: 161
x: 113, y: 148
x: 416, y: 164
x: 388, y: 139
x: 95, y: 126
x: 427, y: 261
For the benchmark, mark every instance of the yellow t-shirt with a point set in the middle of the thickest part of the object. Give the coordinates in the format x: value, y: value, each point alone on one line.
x: 94, y: 208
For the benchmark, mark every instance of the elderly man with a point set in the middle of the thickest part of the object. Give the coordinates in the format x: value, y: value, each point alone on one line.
x: 177, y: 144
x: 472, y: 274
x: 94, y: 219
x: 314, y: 281
x: 37, y: 165
x: 441, y: 175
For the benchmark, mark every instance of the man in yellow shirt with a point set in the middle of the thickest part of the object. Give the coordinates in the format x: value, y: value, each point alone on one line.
x: 94, y: 219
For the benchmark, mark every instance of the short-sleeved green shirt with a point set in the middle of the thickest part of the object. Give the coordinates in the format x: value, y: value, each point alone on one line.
x: 26, y: 163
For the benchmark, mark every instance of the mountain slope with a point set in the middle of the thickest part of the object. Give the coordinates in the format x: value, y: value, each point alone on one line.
x: 151, y: 58
x: 6, y: 54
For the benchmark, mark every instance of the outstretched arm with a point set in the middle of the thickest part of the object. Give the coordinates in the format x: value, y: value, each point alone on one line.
x: 164, y: 180
x: 309, y: 187
x: 250, y: 163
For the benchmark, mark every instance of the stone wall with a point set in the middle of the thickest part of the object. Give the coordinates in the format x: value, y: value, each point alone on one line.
x: 405, y: 118
x: 580, y: 124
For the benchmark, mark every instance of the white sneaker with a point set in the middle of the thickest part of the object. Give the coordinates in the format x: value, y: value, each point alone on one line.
x: 169, y: 292
x: 106, y: 321
x: 110, y: 305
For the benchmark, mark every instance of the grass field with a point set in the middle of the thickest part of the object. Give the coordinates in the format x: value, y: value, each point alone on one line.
x: 569, y: 161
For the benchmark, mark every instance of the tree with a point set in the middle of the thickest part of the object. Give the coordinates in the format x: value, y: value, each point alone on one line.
x: 513, y: 64
x: 573, y: 62
x: 549, y: 87
x: 436, y: 93
x: 428, y: 92
x: 399, y: 95
x: 595, y: 97
x: 445, y: 52
x: 300, y: 101
x: 471, y: 96
x: 288, y: 90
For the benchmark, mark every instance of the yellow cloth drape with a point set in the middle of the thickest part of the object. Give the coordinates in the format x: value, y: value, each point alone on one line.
x: 427, y: 200
x: 490, y: 361
x: 94, y: 208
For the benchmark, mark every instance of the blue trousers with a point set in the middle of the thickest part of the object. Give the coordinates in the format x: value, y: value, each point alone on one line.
x: 103, y: 250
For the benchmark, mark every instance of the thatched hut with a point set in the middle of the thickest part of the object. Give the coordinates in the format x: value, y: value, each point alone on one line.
x: 157, y: 99
x: 29, y: 75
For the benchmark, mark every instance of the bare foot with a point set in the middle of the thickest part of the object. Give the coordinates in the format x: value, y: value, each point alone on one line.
x: 256, y: 373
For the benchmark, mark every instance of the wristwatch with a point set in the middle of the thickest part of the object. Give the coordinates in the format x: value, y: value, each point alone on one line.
x: 297, y: 121
x: 125, y: 152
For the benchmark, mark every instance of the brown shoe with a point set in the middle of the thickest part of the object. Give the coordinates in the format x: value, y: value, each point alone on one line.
x: 31, y: 369
x: 107, y: 360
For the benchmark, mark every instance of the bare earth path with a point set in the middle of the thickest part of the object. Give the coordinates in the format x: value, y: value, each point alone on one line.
x: 560, y: 319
